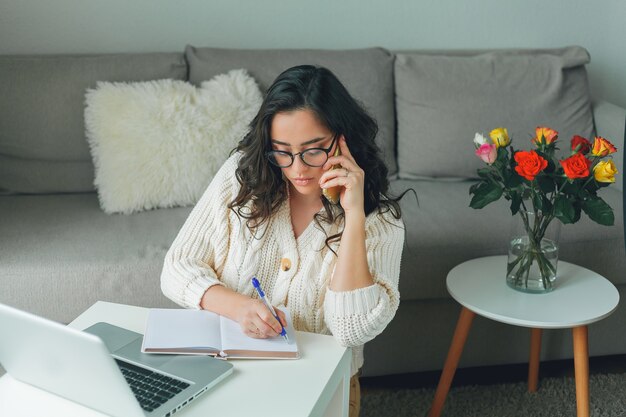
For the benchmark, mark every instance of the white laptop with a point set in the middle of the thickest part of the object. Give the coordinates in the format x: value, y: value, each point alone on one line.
x: 102, y: 367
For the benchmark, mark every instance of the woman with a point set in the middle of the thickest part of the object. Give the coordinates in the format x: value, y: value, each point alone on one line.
x: 335, y: 266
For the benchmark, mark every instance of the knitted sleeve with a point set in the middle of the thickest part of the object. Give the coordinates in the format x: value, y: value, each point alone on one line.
x: 198, y: 253
x: 357, y: 316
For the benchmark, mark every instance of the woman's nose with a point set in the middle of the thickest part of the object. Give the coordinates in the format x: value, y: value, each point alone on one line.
x: 299, y: 164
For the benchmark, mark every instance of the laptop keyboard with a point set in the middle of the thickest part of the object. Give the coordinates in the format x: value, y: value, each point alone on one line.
x: 150, y: 388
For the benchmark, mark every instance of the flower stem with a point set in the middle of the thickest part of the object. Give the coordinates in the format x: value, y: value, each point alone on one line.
x: 519, y: 269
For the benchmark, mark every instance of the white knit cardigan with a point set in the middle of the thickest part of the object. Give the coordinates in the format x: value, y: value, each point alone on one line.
x: 214, y: 247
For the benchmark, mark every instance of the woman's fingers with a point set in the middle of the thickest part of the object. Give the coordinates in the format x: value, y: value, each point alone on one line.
x: 340, y: 177
x: 269, y: 321
x: 282, y: 317
x: 258, y: 329
x: 264, y: 329
x: 343, y: 146
x: 251, y: 331
x: 258, y: 322
x: 266, y: 322
x: 345, y: 159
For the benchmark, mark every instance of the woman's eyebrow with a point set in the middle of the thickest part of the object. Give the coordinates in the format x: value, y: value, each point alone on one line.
x: 308, y: 142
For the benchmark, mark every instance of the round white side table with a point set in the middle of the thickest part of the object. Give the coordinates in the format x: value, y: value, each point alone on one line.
x: 580, y: 297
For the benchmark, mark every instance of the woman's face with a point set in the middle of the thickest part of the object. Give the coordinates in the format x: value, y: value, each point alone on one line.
x: 295, y: 132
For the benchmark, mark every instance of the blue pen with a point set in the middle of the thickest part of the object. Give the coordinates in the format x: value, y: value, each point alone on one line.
x: 257, y: 286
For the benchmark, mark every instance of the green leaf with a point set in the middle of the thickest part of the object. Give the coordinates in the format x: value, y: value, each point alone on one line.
x: 543, y: 154
x: 564, y: 210
x: 571, y: 188
x: 546, y: 183
x: 486, y: 193
x: 516, y: 201
x: 512, y: 162
x: 511, y: 179
x: 577, y: 211
x: 483, y: 173
x: 473, y: 188
x: 599, y: 211
x: 592, y: 188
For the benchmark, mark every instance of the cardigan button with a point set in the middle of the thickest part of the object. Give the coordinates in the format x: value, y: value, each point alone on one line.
x: 285, y: 264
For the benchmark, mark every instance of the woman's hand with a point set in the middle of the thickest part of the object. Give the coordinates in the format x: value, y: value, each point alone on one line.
x: 350, y: 177
x: 257, y: 321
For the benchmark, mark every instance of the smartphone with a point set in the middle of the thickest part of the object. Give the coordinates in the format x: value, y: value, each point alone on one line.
x: 332, y: 194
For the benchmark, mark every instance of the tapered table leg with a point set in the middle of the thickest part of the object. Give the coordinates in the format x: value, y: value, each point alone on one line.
x: 581, y: 369
x: 533, y: 362
x: 452, y: 360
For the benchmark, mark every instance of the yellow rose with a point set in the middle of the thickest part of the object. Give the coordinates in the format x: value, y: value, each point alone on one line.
x: 605, y: 171
x: 500, y: 137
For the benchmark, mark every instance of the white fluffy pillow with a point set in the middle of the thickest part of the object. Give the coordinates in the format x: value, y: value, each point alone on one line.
x: 159, y: 143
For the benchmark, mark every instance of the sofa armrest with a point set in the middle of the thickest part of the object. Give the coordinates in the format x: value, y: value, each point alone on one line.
x: 610, y: 123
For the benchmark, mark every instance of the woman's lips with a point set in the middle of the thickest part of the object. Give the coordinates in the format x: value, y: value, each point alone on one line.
x: 302, y: 181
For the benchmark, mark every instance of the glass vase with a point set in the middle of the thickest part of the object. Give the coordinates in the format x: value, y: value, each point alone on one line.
x: 533, y: 252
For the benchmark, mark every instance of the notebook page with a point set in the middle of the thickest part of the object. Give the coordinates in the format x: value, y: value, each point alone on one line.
x: 234, y: 338
x: 182, y: 328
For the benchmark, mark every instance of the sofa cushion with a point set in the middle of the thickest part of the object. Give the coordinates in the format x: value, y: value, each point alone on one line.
x: 442, y: 99
x: 443, y: 231
x: 42, y: 134
x: 366, y: 73
x: 61, y: 253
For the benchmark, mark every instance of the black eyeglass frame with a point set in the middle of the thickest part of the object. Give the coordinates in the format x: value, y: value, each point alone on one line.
x: 269, y: 154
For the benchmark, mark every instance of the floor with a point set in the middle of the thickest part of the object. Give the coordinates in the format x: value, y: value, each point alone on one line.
x: 492, y: 374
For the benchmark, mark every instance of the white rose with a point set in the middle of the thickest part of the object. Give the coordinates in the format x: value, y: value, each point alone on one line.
x: 479, y: 140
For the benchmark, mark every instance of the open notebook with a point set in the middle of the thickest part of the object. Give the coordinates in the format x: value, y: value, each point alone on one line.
x: 201, y: 332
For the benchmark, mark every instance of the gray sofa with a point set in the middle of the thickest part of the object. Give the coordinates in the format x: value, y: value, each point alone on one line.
x: 59, y: 252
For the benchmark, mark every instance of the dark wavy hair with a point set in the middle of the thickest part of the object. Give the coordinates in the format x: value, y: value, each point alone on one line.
x: 314, y: 88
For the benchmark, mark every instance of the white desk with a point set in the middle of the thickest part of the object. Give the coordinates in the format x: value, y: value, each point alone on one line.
x: 317, y: 384
x: 580, y: 297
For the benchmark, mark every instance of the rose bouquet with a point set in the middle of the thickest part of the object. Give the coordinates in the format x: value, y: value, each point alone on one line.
x: 542, y: 188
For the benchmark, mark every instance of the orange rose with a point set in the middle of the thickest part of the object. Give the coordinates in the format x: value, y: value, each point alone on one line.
x: 529, y: 164
x: 576, y: 166
x: 548, y: 135
x: 602, y: 147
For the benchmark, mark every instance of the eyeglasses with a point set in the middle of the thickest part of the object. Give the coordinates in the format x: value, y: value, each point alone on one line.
x: 313, y: 157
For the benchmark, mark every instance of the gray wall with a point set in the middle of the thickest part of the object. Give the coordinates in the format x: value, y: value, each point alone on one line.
x: 88, y: 26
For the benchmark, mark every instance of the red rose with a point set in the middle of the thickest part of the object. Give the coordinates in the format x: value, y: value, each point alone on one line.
x: 576, y: 166
x: 529, y: 164
x: 583, y: 145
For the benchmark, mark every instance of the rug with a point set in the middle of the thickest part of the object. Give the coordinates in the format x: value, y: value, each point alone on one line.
x: 556, y: 397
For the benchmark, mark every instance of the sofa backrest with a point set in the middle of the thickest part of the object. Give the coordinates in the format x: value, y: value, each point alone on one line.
x: 43, y: 148
x: 444, y: 97
x: 366, y: 73
x: 441, y: 99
